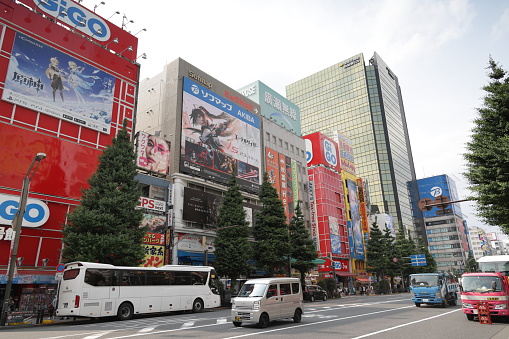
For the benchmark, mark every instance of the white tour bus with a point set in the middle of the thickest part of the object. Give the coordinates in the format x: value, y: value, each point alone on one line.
x: 102, y: 290
x: 494, y: 263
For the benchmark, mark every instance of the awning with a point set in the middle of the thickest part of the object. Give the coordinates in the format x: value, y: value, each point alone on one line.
x: 195, y: 256
x: 363, y: 280
x: 346, y: 274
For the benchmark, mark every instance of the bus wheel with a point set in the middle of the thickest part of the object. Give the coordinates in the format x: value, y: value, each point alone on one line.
x: 297, y: 316
x: 125, y: 311
x: 197, y: 306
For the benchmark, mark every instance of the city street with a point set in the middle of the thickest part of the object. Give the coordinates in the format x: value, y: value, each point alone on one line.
x: 385, y: 316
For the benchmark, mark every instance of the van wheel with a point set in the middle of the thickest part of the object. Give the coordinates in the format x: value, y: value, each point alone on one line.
x: 312, y: 298
x: 237, y: 323
x: 264, y: 320
x: 297, y: 316
x: 325, y: 297
x: 197, y: 305
x: 125, y: 311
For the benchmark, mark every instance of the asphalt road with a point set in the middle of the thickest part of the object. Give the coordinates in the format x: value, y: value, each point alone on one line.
x: 380, y: 317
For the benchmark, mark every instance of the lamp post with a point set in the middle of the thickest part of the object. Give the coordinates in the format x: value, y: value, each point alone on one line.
x: 16, y: 226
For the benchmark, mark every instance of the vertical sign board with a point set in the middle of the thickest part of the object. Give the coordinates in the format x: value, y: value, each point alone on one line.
x: 356, y: 220
x: 295, y: 182
x: 313, y: 215
x: 362, y: 206
x: 272, y: 168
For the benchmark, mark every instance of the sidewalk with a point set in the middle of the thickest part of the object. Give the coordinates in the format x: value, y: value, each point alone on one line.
x: 32, y: 322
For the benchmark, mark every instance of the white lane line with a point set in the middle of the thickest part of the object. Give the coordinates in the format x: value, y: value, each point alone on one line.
x: 319, y: 322
x: 188, y: 324
x: 402, y: 325
x: 97, y: 335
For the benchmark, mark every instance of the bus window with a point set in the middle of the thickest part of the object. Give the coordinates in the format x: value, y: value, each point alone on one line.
x: 133, y: 278
x: 158, y: 278
x: 71, y: 274
x: 98, y: 277
x: 199, y: 278
x: 182, y: 278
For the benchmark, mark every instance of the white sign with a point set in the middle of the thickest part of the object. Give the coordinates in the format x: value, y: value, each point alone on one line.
x: 36, y: 212
x: 152, y: 204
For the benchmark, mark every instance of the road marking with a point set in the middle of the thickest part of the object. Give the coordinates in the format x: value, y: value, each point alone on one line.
x: 222, y: 320
x: 402, y: 325
x: 146, y: 329
x: 97, y: 335
x: 319, y: 322
x: 188, y: 324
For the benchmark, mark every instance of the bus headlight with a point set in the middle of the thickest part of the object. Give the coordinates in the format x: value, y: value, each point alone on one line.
x: 500, y: 307
x: 467, y: 305
x: 256, y: 305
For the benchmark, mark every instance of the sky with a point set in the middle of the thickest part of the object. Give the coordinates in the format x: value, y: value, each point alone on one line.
x: 439, y: 50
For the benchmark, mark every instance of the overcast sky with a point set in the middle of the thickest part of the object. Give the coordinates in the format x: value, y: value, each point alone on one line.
x: 438, y: 49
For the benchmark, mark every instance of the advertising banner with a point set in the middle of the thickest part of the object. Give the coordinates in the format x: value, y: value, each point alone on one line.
x: 272, y: 168
x: 313, y: 215
x: 362, y: 206
x: 335, y: 239
x: 284, y: 183
x: 153, y: 153
x: 433, y: 187
x: 345, y: 152
x: 46, y: 80
x: 295, y: 182
x: 356, y: 220
x: 289, y: 188
x: 274, y: 106
x: 154, y: 217
x: 154, y: 256
x: 217, y: 137
x: 201, y: 207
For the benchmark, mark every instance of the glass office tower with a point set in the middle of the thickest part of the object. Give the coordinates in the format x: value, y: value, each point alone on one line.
x: 364, y: 103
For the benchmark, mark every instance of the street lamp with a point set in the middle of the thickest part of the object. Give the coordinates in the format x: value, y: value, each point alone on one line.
x: 16, y: 226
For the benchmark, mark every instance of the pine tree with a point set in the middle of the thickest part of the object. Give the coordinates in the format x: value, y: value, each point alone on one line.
x: 471, y: 263
x: 105, y: 226
x: 232, y: 247
x: 403, y: 249
x: 302, y: 246
x: 378, y: 261
x: 271, y: 247
x: 488, y: 151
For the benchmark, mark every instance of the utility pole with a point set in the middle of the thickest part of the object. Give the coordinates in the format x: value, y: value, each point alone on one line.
x: 16, y: 226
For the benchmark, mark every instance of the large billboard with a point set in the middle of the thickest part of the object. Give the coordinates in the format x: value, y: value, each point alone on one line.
x: 345, y: 152
x: 283, y: 177
x: 219, y: 137
x: 433, y: 187
x: 153, y: 153
x: 274, y: 106
x: 358, y: 246
x: 46, y: 80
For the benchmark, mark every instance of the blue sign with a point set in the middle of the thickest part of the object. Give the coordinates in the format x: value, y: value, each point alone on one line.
x: 418, y: 260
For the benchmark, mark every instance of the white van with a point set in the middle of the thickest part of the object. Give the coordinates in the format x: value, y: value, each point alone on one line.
x: 261, y: 301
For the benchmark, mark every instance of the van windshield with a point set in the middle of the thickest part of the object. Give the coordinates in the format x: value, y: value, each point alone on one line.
x: 252, y: 290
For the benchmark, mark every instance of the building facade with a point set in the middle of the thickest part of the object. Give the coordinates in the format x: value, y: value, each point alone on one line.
x: 445, y: 230
x: 42, y: 45
x: 364, y: 102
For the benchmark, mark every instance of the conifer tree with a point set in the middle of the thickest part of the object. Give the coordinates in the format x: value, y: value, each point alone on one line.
x: 302, y: 246
x: 378, y: 261
x: 488, y: 151
x: 431, y: 264
x: 105, y: 226
x: 270, y: 231
x: 471, y: 263
x: 232, y: 247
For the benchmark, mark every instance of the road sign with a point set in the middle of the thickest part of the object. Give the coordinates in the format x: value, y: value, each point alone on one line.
x: 395, y: 259
x: 443, y: 201
x: 423, y: 204
x: 418, y: 260
x: 60, y: 267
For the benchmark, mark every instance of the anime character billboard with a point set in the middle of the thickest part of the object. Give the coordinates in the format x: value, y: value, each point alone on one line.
x: 219, y: 137
x: 44, y: 79
x: 153, y: 153
x: 355, y: 223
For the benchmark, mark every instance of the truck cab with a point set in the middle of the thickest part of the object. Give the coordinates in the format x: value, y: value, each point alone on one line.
x: 434, y: 288
x: 491, y: 287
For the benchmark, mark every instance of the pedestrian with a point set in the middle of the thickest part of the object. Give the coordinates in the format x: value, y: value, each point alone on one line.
x: 53, y: 306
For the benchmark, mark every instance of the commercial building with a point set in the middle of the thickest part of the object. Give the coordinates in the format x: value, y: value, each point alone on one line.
x: 364, y: 102
x: 213, y: 130
x: 445, y: 230
x: 72, y: 124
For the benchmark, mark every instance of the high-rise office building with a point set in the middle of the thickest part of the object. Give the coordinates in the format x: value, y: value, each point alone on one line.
x: 364, y: 103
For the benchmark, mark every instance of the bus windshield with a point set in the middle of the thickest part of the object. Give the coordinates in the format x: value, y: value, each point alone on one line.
x: 481, y: 284
x: 252, y: 290
x: 424, y: 280
x: 495, y: 266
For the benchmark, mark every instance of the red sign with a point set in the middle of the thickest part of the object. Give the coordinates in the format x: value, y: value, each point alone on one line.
x: 325, y: 151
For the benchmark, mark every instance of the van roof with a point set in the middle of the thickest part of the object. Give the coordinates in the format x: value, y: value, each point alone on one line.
x: 272, y: 280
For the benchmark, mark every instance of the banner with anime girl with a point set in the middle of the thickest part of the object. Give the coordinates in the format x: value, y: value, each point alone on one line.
x: 49, y: 81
